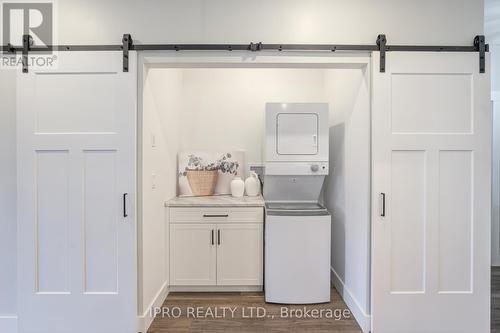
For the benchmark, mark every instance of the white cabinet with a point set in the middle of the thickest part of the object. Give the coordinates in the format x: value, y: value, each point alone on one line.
x: 216, y: 247
x: 192, y: 254
x: 239, y: 254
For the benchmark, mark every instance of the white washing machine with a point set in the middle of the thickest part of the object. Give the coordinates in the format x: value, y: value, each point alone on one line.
x: 297, y: 227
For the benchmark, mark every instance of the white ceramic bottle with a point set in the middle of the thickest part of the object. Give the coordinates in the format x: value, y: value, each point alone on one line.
x: 237, y: 187
x: 252, y: 184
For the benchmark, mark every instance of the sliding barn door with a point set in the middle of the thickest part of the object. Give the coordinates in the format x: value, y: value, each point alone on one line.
x: 76, y: 225
x: 432, y: 166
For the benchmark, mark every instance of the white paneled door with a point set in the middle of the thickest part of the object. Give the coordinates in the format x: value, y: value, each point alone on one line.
x: 76, y: 190
x: 431, y: 194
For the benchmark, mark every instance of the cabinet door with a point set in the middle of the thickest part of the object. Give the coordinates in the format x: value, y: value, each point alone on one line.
x: 192, y: 254
x: 239, y: 254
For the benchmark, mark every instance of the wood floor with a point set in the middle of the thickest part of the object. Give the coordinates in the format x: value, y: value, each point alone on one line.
x: 495, y: 299
x: 241, y: 319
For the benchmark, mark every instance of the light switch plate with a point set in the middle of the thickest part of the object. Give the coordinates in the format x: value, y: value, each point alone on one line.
x: 153, y: 140
x: 153, y: 181
x: 258, y: 168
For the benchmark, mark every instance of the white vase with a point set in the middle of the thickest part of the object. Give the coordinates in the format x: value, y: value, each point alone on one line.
x: 237, y: 187
x: 252, y: 184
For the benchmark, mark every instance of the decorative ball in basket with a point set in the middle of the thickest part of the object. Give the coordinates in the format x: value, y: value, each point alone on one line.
x: 202, y: 176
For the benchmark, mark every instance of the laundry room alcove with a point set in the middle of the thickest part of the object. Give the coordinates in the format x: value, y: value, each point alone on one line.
x: 216, y: 102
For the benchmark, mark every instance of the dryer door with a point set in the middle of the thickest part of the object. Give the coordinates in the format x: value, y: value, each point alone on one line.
x: 297, y: 133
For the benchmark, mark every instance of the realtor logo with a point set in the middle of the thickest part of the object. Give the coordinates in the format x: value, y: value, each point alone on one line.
x: 35, y: 18
x: 22, y: 18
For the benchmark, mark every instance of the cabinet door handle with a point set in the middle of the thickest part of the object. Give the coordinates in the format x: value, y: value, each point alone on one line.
x: 218, y: 237
x: 215, y: 215
x: 382, y: 204
x: 125, y: 204
x: 212, y: 236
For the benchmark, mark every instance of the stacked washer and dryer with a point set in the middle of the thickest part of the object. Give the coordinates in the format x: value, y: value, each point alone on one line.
x: 297, y: 225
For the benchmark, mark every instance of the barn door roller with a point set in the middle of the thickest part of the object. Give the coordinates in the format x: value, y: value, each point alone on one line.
x: 27, y: 41
x: 480, y: 45
x: 381, y: 43
x: 127, y: 44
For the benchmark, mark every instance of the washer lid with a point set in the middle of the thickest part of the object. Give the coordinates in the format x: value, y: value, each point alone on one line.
x: 299, y: 208
x: 294, y: 205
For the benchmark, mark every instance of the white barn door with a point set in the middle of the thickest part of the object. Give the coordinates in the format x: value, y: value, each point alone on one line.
x: 76, y: 160
x: 431, y: 129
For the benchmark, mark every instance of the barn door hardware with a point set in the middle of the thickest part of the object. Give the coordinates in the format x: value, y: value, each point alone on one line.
x: 27, y: 40
x: 127, y: 45
x: 381, y: 43
x: 479, y: 44
x: 254, y: 47
x: 9, y: 49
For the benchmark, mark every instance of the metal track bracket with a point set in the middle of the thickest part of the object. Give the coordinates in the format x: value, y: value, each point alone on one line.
x: 9, y: 49
x: 480, y: 45
x: 127, y: 46
x: 254, y: 47
x: 381, y: 43
x: 27, y: 40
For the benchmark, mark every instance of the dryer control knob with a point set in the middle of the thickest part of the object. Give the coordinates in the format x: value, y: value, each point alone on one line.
x: 314, y: 168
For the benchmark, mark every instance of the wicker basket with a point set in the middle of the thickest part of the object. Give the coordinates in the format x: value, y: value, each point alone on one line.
x: 202, y: 182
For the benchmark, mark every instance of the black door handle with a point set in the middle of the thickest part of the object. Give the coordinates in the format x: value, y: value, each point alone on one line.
x: 213, y: 237
x: 218, y: 237
x: 125, y: 204
x: 382, y: 213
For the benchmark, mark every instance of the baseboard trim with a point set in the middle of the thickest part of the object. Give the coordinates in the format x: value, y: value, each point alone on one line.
x: 145, y: 320
x: 8, y: 324
x: 363, y: 319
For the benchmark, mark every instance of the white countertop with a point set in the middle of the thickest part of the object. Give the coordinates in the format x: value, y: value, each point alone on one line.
x: 216, y: 201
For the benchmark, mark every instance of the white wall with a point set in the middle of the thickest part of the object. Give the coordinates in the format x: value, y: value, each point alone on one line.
x: 224, y: 109
x: 8, y: 185
x: 348, y: 188
x: 281, y: 21
x: 160, y: 141
x: 492, y: 31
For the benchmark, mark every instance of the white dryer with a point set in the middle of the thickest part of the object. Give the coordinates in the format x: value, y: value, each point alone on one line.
x: 296, y: 140
x: 297, y: 226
